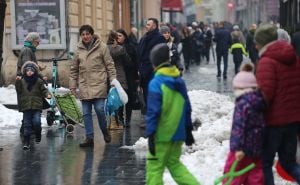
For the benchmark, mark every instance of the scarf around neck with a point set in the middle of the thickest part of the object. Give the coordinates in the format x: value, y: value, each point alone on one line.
x: 29, y: 45
x: 30, y: 80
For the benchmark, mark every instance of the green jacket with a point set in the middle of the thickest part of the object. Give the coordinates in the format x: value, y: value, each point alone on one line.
x: 31, y: 99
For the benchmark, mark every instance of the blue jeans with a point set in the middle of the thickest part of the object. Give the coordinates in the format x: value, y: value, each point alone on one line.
x: 281, y: 140
x: 32, y: 117
x: 98, y: 104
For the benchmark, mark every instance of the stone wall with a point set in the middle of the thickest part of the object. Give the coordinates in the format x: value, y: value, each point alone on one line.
x: 98, y: 13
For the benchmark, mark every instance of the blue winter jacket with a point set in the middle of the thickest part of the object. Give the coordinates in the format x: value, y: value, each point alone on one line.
x: 168, y: 109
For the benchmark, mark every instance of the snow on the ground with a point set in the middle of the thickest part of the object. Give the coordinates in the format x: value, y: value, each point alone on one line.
x: 206, y: 158
x: 12, y: 118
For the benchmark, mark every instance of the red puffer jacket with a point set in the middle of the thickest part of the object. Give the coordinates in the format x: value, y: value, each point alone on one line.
x: 278, y: 76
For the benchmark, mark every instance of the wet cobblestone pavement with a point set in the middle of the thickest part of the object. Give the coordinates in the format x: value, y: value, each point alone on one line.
x: 58, y: 160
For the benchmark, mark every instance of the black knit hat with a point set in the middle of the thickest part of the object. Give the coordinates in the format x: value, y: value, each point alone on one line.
x: 160, y: 54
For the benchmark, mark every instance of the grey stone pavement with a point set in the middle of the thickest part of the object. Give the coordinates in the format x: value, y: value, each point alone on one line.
x: 58, y: 160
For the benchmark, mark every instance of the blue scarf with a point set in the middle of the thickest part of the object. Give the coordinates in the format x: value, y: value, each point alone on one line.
x: 29, y: 45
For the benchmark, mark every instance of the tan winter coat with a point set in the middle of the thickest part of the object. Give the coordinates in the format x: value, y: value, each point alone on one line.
x: 91, y: 70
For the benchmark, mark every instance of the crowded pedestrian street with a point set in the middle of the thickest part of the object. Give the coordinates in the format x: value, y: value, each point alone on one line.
x: 59, y: 160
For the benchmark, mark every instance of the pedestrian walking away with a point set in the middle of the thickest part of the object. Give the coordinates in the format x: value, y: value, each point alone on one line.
x: 223, y: 42
x: 92, y: 69
x: 237, y: 49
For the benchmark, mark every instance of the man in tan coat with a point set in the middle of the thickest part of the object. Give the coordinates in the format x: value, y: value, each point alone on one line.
x: 91, y: 69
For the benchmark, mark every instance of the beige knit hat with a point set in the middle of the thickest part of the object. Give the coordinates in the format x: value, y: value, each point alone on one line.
x: 33, y: 36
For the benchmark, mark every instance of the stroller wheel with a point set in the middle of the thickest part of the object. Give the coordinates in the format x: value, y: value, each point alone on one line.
x: 69, y: 128
x: 50, y: 117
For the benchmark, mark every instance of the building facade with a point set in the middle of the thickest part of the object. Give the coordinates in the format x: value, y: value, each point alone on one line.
x: 256, y: 11
x: 103, y: 15
x: 290, y: 14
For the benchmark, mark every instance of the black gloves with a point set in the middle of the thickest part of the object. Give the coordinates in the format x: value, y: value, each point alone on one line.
x: 189, y: 139
x: 151, y: 144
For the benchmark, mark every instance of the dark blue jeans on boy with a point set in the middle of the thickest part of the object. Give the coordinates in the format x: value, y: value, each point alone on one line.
x: 32, y: 117
x: 281, y: 140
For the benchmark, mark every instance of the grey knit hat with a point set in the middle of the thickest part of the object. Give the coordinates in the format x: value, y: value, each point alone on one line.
x: 265, y: 34
x: 164, y: 29
x: 160, y: 54
x: 33, y: 36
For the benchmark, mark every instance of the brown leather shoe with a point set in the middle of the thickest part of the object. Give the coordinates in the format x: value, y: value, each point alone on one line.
x: 87, y: 143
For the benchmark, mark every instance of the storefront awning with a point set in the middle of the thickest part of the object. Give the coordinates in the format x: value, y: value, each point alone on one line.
x: 171, y: 5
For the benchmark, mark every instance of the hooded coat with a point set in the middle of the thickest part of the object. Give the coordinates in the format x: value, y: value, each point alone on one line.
x: 91, y: 69
x: 31, y: 99
x: 26, y: 54
x: 278, y: 76
x: 169, y: 109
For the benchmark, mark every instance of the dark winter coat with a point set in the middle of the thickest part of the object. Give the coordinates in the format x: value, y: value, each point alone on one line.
x: 238, y: 51
x: 131, y: 72
x: 147, y: 42
x: 278, y: 76
x: 223, y: 40
x: 250, y: 46
x: 248, y: 124
x: 121, y: 59
x: 174, y: 55
x: 296, y: 42
x: 208, y: 38
x: 186, y: 45
x: 198, y: 41
x: 31, y: 99
x: 26, y: 54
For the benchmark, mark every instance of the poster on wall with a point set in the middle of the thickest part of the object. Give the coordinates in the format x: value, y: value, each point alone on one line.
x: 47, y: 17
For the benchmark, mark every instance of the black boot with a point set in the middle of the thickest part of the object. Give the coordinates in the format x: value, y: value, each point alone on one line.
x: 107, y: 137
x: 89, y: 142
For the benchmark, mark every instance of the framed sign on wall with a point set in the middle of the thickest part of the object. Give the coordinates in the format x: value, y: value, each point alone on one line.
x: 47, y: 17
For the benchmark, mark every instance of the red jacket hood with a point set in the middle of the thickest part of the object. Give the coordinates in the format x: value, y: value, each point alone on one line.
x: 282, y: 52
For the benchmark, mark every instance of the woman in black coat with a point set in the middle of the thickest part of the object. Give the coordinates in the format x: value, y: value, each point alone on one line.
x: 131, y: 73
x: 186, y: 46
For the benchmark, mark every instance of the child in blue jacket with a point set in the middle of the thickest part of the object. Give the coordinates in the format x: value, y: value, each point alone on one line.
x: 168, y: 121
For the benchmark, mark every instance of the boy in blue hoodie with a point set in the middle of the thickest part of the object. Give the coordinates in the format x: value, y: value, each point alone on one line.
x: 168, y: 120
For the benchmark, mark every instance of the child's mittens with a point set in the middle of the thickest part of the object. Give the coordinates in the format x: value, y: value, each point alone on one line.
x: 151, y: 144
x: 189, y: 139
